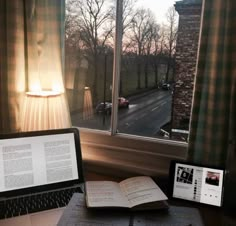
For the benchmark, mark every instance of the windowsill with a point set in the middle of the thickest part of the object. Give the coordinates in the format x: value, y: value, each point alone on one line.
x: 128, y: 155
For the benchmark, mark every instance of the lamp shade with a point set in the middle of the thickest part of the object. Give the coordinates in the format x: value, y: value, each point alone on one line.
x: 88, y: 106
x: 44, y: 110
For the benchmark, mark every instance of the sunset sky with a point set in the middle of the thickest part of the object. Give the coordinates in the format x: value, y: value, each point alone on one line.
x: 158, y: 7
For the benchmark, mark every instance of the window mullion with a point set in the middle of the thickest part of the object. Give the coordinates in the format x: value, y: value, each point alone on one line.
x: 116, y: 66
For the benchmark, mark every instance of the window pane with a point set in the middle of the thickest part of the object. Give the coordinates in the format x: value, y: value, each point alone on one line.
x: 158, y: 63
x: 89, y: 57
x: 157, y: 69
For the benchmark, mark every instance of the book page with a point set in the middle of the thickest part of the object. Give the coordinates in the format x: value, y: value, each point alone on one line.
x: 139, y: 190
x: 104, y: 194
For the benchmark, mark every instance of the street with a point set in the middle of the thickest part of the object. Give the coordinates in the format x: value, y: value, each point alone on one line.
x: 146, y: 114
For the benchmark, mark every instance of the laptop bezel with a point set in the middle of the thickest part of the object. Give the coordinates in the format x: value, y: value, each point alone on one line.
x: 52, y: 186
x: 172, y: 180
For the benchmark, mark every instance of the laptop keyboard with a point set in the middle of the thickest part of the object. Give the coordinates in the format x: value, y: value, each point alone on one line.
x: 35, y: 203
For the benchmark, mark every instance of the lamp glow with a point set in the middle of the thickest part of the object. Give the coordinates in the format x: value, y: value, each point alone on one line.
x: 88, y: 107
x: 44, y: 110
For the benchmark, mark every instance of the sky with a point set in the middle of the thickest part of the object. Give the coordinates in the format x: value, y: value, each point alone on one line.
x: 158, y: 7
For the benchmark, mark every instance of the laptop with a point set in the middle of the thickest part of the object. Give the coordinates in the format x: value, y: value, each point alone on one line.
x: 196, y: 183
x: 39, y: 172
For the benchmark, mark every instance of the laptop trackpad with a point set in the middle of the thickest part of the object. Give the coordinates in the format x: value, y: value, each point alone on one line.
x: 19, y: 221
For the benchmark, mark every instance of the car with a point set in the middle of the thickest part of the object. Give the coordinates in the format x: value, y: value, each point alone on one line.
x: 101, y: 108
x: 165, y: 86
x: 123, y: 102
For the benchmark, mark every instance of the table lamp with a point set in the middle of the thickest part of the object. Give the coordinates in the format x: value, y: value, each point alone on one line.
x: 44, y: 110
x: 88, y: 105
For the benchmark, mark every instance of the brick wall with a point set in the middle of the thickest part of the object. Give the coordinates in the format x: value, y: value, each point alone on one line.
x: 186, y: 55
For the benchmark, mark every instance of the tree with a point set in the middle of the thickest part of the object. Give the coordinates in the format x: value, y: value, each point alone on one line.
x: 142, y: 24
x: 94, y: 25
x: 72, y: 34
x: 158, y: 49
x: 73, y: 51
x: 171, y: 36
x: 128, y: 12
x: 149, y: 46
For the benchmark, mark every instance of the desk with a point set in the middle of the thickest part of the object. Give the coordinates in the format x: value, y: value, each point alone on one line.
x: 77, y: 213
x: 212, y: 216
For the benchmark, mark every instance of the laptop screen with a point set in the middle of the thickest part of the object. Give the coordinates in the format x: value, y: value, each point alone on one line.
x: 39, y: 158
x: 197, y: 183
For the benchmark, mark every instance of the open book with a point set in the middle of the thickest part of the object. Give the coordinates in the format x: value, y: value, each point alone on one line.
x: 137, y: 193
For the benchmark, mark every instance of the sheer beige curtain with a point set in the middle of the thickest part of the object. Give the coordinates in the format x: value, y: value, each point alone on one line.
x: 31, y: 59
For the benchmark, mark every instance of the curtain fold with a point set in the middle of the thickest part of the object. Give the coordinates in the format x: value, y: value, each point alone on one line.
x: 12, y: 63
x: 44, y: 22
x: 31, y: 56
x: 213, y: 113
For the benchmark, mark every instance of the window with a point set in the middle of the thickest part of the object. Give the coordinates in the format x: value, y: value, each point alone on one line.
x: 89, y: 51
x: 158, y: 59
x: 147, y: 68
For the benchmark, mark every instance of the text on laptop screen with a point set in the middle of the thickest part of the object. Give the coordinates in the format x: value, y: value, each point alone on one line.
x: 39, y: 160
x: 199, y: 184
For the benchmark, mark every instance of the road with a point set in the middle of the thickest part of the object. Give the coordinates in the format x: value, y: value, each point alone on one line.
x: 145, y: 116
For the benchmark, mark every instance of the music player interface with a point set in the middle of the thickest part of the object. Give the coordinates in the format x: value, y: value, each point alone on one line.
x: 199, y: 184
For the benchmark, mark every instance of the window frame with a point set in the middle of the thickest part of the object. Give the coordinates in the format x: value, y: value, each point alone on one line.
x: 123, y: 155
x: 126, y: 155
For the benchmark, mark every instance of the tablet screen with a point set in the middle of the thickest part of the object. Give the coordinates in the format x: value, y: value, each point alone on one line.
x: 197, y: 183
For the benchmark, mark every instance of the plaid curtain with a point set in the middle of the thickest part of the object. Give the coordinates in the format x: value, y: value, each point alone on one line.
x: 212, y: 126
x: 11, y: 70
x: 31, y: 54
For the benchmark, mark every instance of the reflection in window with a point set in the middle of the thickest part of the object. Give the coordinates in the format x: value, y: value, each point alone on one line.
x: 89, y: 56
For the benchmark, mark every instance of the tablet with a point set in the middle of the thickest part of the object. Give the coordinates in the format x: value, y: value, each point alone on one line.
x: 197, y: 183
